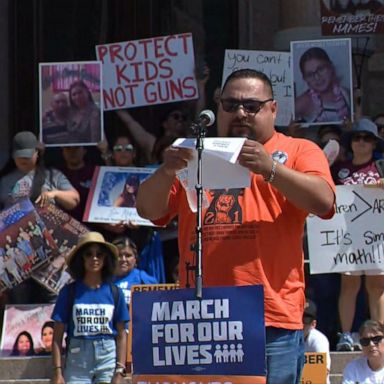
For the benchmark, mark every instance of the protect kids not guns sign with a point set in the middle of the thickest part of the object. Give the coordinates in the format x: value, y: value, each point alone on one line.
x: 148, y: 71
x: 353, y: 239
x: 179, y: 338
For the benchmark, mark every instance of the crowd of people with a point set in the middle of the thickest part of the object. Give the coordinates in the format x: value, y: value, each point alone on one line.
x: 291, y: 177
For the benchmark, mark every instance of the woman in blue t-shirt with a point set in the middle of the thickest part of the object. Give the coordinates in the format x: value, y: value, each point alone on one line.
x: 93, y: 313
x: 126, y: 273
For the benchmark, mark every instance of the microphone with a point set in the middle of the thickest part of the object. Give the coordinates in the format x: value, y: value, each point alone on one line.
x: 206, y: 118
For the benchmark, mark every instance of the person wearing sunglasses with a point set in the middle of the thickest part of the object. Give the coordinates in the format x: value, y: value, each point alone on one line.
x: 369, y: 367
x: 289, y: 178
x: 361, y: 141
x: 325, y: 100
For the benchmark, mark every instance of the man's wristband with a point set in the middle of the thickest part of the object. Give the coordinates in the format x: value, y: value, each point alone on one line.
x: 56, y: 367
x: 120, y: 371
x: 272, y: 175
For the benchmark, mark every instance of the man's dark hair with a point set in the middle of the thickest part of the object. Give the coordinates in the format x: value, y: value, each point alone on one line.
x: 249, y: 74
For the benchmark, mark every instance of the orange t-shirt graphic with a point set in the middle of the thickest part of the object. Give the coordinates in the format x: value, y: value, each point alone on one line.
x: 253, y: 235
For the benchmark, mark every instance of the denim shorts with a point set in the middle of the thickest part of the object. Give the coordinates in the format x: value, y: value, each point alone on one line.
x: 90, y: 361
x: 284, y: 355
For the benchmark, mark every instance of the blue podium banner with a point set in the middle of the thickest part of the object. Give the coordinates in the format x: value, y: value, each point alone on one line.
x: 179, y: 337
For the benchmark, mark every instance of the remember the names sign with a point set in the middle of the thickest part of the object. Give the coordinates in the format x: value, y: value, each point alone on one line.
x: 353, y: 240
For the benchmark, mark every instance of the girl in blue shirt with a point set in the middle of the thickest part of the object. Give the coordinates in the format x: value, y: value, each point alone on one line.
x: 93, y: 316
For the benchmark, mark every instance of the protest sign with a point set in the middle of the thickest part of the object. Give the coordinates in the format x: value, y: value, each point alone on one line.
x: 352, y: 18
x: 65, y: 231
x: 148, y: 71
x: 276, y: 65
x: 143, y: 288
x: 177, y: 337
x: 322, y: 79
x: 25, y: 318
x: 112, y: 196
x: 25, y: 243
x: 353, y: 240
x: 315, y: 368
x: 70, y: 109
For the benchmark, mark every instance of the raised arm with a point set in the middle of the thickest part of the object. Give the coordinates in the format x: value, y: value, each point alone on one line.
x: 143, y: 138
x: 153, y: 195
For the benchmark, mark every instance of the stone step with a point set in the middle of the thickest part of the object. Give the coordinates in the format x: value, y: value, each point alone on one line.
x: 38, y: 370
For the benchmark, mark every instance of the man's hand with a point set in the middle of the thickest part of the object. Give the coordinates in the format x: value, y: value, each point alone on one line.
x: 254, y: 157
x: 175, y: 159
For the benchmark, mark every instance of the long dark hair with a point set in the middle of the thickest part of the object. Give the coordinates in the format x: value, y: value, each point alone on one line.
x: 76, y: 265
x: 39, y: 176
x: 80, y: 84
x: 15, y: 350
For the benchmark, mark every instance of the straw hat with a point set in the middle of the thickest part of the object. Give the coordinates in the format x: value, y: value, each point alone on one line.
x: 92, y: 238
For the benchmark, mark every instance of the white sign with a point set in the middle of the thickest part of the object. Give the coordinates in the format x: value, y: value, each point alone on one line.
x: 112, y: 197
x: 276, y: 65
x: 353, y: 239
x: 148, y: 71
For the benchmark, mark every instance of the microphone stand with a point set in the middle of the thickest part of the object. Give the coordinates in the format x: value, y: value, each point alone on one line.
x: 199, y: 130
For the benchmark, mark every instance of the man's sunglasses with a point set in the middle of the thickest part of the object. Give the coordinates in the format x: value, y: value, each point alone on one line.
x: 364, y: 137
x: 365, y: 341
x: 249, y: 105
x: 121, y: 148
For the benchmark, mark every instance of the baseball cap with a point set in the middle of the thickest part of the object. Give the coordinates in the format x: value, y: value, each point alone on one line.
x: 24, y: 144
x: 310, y: 309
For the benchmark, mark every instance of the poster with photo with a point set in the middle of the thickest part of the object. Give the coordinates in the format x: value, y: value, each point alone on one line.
x: 322, y: 81
x: 112, y: 197
x: 148, y: 71
x: 70, y: 109
x: 25, y: 243
x: 352, y: 17
x: 27, y: 330
x: 65, y: 231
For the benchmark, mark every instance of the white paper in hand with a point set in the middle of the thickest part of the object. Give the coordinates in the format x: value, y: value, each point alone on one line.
x: 220, y: 169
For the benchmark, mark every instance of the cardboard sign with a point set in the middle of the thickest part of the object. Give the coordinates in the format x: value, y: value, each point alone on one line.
x: 315, y: 368
x: 178, y: 337
x: 25, y: 244
x: 21, y: 318
x: 353, y: 239
x: 352, y: 18
x: 112, y: 197
x: 70, y: 108
x: 148, y: 71
x: 276, y: 65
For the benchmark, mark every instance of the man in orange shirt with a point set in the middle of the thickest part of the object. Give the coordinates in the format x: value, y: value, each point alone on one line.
x: 252, y: 235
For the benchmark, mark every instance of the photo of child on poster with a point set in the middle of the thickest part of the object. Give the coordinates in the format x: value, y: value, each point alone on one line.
x: 113, y: 195
x: 70, y: 107
x: 322, y: 78
x: 25, y: 244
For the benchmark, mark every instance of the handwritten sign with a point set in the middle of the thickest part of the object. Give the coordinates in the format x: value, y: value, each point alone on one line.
x: 357, y: 18
x: 149, y: 71
x: 353, y: 239
x: 276, y: 65
x: 178, y: 338
x: 315, y: 368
